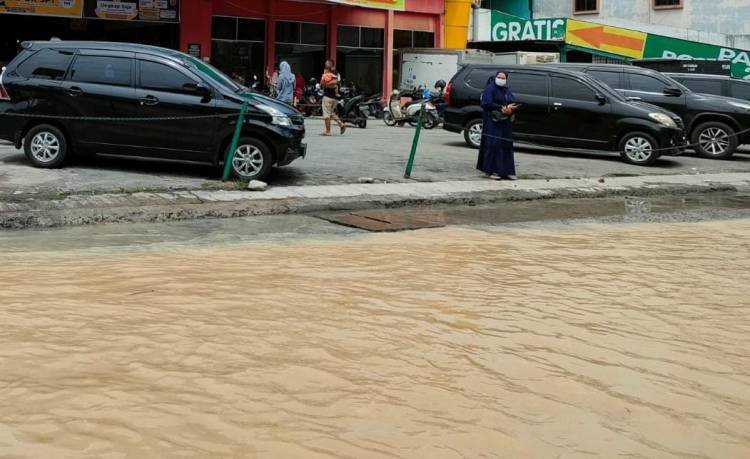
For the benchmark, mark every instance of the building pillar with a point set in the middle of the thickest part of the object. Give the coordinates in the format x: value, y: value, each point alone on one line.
x: 270, y: 37
x: 195, y: 25
x: 457, y: 13
x: 333, y: 21
x: 388, y: 54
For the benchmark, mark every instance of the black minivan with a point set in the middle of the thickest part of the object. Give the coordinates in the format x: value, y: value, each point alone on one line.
x: 715, y: 125
x: 565, y: 109
x: 60, y: 97
x: 717, y: 85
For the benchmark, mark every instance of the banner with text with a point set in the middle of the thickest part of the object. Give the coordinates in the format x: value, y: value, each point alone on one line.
x: 66, y: 8
x: 506, y: 27
x: 398, y: 5
x: 134, y: 10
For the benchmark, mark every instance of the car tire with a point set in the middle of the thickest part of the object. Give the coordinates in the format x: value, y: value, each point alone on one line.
x: 473, y: 133
x: 639, y: 148
x: 388, y: 118
x: 715, y: 140
x: 252, y: 160
x: 45, y: 146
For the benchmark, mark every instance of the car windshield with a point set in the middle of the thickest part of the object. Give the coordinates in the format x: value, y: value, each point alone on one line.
x: 211, y: 72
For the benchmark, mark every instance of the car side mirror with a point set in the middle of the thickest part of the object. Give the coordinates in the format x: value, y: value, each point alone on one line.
x: 602, y: 100
x: 672, y: 91
x: 199, y: 90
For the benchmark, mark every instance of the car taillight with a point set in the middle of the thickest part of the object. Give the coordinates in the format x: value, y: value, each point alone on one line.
x: 3, y: 93
x: 447, y: 94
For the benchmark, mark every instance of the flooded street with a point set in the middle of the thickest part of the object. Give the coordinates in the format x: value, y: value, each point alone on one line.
x: 585, y: 340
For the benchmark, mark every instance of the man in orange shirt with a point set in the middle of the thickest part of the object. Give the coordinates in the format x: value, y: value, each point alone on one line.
x: 330, y: 84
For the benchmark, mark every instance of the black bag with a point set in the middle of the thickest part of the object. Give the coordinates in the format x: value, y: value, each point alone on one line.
x: 498, y: 116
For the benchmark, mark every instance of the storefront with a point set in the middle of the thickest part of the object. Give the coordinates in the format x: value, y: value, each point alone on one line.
x: 153, y: 22
x: 247, y: 38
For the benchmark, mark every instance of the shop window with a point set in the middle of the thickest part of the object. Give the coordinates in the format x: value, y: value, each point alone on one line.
x: 402, y: 39
x: 372, y: 38
x: 224, y: 28
x: 424, y: 39
x: 115, y: 71
x: 241, y: 60
x: 667, y: 4
x: 314, y: 34
x: 287, y: 32
x: 361, y: 67
x: 47, y: 64
x: 585, y: 6
x: 347, y: 36
x: 251, y: 30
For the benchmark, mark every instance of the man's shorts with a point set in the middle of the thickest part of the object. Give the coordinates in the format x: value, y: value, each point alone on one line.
x: 329, y: 107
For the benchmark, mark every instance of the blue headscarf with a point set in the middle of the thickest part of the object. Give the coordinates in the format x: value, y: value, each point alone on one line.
x: 496, y: 95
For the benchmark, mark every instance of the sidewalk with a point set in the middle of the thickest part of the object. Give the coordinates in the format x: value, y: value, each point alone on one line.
x: 80, y: 209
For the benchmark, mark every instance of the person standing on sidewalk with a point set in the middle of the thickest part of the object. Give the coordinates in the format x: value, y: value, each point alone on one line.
x: 496, y: 148
x: 285, y: 83
x: 330, y: 84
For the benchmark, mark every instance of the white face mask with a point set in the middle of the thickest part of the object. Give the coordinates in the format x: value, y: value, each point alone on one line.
x: 500, y: 81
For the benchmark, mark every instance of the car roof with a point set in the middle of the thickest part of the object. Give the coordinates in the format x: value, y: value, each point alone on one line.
x: 544, y: 67
x: 707, y: 76
x: 104, y: 46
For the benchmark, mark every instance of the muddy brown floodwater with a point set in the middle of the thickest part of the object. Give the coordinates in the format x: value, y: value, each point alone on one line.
x: 602, y: 341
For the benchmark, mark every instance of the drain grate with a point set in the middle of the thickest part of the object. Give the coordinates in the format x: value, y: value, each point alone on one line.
x: 384, y: 220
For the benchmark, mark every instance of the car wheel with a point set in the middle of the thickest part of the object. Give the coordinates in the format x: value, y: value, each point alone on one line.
x: 388, y: 118
x: 45, y: 146
x: 252, y: 160
x: 714, y: 140
x: 473, y: 133
x: 639, y: 148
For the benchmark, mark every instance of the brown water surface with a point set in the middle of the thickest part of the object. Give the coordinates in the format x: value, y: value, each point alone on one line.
x: 602, y: 341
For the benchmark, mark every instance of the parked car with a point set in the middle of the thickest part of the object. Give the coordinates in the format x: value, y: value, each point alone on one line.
x: 717, y: 85
x: 565, y: 109
x: 713, y: 123
x: 57, y: 98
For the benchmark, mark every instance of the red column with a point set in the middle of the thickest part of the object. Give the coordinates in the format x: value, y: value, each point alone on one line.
x: 440, y: 31
x: 388, y: 55
x: 195, y: 25
x: 333, y: 21
x: 270, y: 37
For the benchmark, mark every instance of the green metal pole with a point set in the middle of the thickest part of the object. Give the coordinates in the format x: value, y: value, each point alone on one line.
x: 235, y: 140
x: 410, y: 163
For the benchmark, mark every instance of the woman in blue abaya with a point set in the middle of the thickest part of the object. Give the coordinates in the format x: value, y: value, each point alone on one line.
x: 496, y: 148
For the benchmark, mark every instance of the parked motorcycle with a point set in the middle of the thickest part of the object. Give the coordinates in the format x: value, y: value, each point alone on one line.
x: 372, y: 106
x: 311, y: 99
x: 349, y: 107
x: 398, y: 112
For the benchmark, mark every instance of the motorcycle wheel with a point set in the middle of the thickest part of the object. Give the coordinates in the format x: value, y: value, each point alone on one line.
x: 362, y: 124
x: 413, y: 122
x: 388, y: 119
x: 429, y: 121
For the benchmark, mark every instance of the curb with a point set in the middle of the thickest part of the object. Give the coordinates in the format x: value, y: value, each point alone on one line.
x: 185, y: 205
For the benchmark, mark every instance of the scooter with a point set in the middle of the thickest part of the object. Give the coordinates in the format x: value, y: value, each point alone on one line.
x: 372, y: 107
x: 312, y: 97
x: 396, y: 113
x: 349, y: 107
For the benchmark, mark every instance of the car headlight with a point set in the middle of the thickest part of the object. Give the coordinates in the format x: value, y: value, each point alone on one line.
x: 745, y: 107
x: 663, y: 119
x: 277, y: 117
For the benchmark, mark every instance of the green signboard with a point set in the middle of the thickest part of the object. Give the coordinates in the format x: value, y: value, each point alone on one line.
x: 506, y: 27
x: 658, y: 46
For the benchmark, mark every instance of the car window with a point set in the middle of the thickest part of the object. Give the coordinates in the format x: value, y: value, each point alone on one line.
x: 646, y: 83
x: 704, y: 86
x: 531, y: 84
x: 161, y: 77
x: 46, y: 64
x: 568, y: 88
x: 478, y: 78
x: 611, y: 79
x: 740, y: 90
x: 115, y: 71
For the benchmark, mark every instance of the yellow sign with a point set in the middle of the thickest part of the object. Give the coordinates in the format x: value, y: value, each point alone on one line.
x: 68, y: 8
x: 613, y: 40
x: 399, y: 5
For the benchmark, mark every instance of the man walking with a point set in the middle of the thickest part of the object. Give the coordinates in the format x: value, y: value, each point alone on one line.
x: 330, y: 84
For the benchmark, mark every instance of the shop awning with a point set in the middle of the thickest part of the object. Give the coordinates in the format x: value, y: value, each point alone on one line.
x: 398, y: 5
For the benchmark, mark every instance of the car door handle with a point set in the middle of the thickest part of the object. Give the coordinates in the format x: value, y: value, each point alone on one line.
x: 557, y: 105
x: 75, y: 91
x: 149, y: 100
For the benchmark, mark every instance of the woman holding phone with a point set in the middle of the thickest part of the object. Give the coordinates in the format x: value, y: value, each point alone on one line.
x: 496, y: 148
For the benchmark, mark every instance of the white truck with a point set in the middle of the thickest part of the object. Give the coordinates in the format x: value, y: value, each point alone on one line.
x: 423, y: 67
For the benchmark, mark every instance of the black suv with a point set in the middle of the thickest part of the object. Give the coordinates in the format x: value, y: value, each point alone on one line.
x: 60, y: 97
x: 712, y: 122
x: 717, y: 85
x: 565, y: 109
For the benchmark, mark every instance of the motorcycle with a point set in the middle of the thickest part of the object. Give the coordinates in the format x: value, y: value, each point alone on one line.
x: 312, y: 98
x: 349, y: 107
x: 398, y: 113
x: 372, y: 106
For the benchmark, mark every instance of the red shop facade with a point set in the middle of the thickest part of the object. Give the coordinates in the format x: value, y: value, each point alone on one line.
x: 246, y: 38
